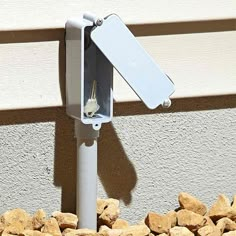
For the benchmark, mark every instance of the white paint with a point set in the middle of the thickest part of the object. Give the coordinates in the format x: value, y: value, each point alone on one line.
x: 199, y: 65
x: 27, y: 14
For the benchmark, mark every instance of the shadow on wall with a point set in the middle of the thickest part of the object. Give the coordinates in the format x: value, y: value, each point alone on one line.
x: 65, y: 147
x: 114, y: 167
x: 116, y: 172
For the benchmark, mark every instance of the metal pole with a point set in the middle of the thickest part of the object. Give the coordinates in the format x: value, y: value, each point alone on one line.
x: 86, y: 194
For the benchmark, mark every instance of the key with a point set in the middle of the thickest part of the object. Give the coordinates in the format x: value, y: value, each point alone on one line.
x: 92, y: 106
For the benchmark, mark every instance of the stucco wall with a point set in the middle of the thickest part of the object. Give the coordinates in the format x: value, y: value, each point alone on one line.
x: 145, y: 158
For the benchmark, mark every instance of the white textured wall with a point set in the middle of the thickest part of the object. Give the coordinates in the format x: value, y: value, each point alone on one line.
x: 144, y: 159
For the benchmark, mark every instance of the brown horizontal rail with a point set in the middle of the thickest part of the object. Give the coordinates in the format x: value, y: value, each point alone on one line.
x: 57, y: 34
x: 46, y: 114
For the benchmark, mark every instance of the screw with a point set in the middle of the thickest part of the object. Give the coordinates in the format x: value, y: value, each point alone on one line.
x: 166, y: 103
x: 99, y: 22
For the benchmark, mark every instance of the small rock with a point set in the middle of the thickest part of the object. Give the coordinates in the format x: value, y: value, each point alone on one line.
x: 151, y: 234
x: 221, y: 205
x: 38, y: 219
x: 120, y: 224
x: 102, y: 204
x: 209, y: 230
x: 6, y: 234
x: 108, y: 211
x: 141, y: 222
x: 66, y: 220
x: 158, y: 223
x: 225, y: 224
x: 191, y: 203
x: 221, y: 208
x: 105, y: 230
x: 68, y: 230
x: 15, y: 229
x: 172, y: 215
x: 102, y: 234
x: 180, y: 231
x: 51, y: 226
x: 163, y: 234
x: 81, y: 232
x: 209, y: 221
x: 33, y: 233
x: 232, y: 233
x: 136, y: 230
x: 29, y: 225
x: 1, y: 226
x: 191, y: 220
x: 16, y: 215
x: 234, y: 202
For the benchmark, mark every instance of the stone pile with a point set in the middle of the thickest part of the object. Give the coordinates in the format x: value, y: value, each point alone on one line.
x: 192, y: 218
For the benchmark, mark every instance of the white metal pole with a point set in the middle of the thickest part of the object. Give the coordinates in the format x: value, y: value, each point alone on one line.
x: 86, y: 193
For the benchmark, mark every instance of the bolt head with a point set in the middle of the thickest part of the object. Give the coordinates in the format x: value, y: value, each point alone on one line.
x: 166, y: 103
x: 99, y: 21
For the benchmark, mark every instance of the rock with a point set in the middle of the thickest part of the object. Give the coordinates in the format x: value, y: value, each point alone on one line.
x: 209, y: 221
x: 188, y: 202
x: 163, y: 234
x: 33, y: 233
x: 103, y: 203
x: 158, y: 223
x: 68, y: 230
x: 104, y: 230
x: 6, y: 234
x: 136, y: 230
x: 221, y: 208
x: 29, y: 225
x: 232, y: 233
x: 120, y: 224
x: 141, y: 222
x: 209, y: 230
x: 180, y: 231
x: 15, y: 228
x: 16, y: 215
x: 51, y: 226
x: 191, y: 220
x: 234, y: 202
x: 38, y: 219
x: 225, y: 224
x: 102, y: 234
x: 81, y: 232
x: 1, y: 226
x: 172, y: 215
x: 151, y: 234
x: 66, y: 220
x: 108, y: 211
